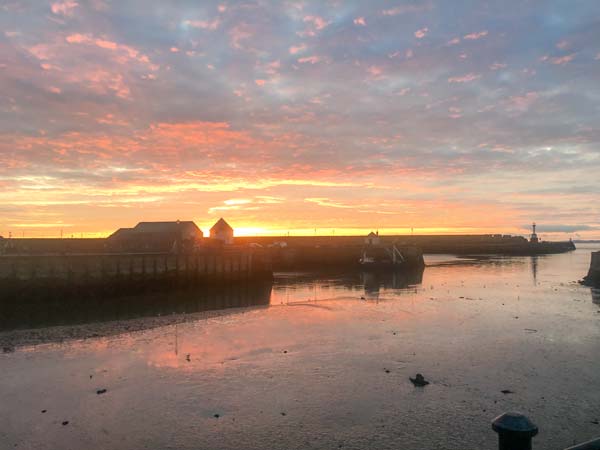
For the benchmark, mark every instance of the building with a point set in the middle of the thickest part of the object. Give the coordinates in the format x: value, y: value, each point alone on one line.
x: 222, y: 231
x: 176, y: 237
x: 534, y: 237
x: 372, y: 239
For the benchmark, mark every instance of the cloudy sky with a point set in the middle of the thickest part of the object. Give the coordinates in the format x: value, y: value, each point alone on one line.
x: 442, y: 116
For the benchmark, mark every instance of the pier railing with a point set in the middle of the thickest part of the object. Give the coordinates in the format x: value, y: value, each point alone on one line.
x: 516, y: 432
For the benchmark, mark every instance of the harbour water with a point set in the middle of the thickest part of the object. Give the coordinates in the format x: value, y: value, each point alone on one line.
x: 318, y: 361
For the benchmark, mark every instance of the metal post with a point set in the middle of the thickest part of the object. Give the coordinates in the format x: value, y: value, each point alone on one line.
x: 515, y: 431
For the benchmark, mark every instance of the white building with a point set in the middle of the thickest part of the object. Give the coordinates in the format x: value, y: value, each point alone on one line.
x: 372, y: 238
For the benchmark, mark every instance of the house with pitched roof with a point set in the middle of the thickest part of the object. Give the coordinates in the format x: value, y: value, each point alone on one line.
x: 222, y: 231
x: 176, y: 237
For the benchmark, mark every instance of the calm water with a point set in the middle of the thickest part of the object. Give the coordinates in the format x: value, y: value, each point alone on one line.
x: 317, y: 362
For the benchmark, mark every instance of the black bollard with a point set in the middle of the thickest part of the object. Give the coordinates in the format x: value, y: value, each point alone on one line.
x: 515, y: 431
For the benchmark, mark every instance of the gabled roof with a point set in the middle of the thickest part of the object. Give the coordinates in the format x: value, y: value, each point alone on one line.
x: 162, y: 227
x: 371, y: 234
x: 221, y: 225
x: 156, y: 228
x: 121, y: 232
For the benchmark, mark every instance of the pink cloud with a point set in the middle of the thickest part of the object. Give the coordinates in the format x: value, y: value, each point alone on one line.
x: 273, y: 67
x: 65, y: 8
x: 106, y: 44
x: 239, y: 33
x: 474, y: 36
x: 126, y: 51
x: 497, y: 66
x: 174, y: 50
x: 421, y: 33
x: 360, y: 21
x: 562, y: 45
x: 204, y: 24
x: 318, y: 22
x: 454, y: 41
x: 407, y: 9
x: 41, y: 51
x: 104, y: 81
x: 465, y: 78
x: 375, y: 71
x: 309, y: 59
x: 297, y: 49
x: 455, y: 113
x: 409, y: 53
x: 77, y: 38
x: 560, y: 60
x: 260, y: 82
x: 522, y: 102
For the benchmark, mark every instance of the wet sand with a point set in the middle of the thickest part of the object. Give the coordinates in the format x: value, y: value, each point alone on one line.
x: 326, y: 365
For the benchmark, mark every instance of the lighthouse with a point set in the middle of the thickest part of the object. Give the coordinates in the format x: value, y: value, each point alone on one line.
x: 534, y: 238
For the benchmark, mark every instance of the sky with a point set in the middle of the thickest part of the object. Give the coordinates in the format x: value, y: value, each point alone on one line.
x: 307, y: 117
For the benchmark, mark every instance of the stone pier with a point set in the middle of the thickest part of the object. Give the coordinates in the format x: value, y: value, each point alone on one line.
x: 593, y: 276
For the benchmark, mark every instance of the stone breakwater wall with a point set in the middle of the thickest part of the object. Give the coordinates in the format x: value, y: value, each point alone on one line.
x: 332, y: 257
x: 593, y: 276
x: 98, y: 275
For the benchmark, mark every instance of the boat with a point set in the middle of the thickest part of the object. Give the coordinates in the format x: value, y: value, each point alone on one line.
x: 378, y: 257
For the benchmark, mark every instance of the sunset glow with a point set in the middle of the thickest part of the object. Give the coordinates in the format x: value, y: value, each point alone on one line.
x: 300, y: 117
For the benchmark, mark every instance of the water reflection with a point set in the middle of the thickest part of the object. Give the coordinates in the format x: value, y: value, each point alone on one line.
x: 68, y: 311
x: 374, y: 282
x: 301, y: 287
x: 534, y: 269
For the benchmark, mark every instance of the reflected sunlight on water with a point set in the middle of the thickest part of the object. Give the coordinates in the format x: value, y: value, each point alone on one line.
x: 318, y: 360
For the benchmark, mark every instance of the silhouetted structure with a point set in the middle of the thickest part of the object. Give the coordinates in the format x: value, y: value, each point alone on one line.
x: 372, y: 239
x: 534, y: 237
x: 222, y: 231
x: 593, y: 276
x: 377, y: 256
x: 175, y: 237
